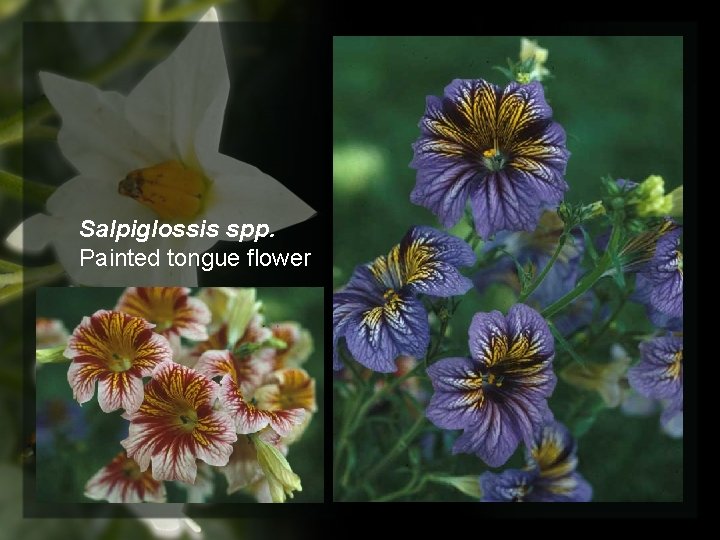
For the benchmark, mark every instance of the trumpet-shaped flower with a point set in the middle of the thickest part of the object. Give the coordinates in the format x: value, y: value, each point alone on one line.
x: 117, y: 350
x: 122, y: 481
x: 178, y: 424
x: 379, y: 313
x: 550, y: 475
x: 282, y: 481
x: 497, y: 147
x: 153, y: 155
x: 499, y: 395
x: 171, y: 309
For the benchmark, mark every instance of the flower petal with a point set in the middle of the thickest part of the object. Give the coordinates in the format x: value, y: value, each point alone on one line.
x: 95, y: 136
x: 508, y: 486
x: 181, y: 102
x: 120, y: 391
x: 120, y: 481
x: 493, y: 438
x: 458, y: 393
x: 264, y: 199
x: 82, y: 377
x: 176, y: 462
x: 250, y: 418
x: 368, y: 339
x: 659, y: 373
x: 501, y: 201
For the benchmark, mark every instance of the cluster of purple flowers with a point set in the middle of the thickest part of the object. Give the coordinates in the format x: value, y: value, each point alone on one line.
x: 500, y: 150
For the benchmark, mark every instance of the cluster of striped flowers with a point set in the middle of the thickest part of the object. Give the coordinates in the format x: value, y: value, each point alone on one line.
x: 205, y: 384
x: 498, y: 151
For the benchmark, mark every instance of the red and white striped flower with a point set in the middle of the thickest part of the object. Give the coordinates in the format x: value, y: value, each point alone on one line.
x: 219, y: 357
x: 287, y: 389
x: 122, y: 481
x: 173, y: 311
x: 250, y: 418
x: 177, y: 424
x: 116, y: 350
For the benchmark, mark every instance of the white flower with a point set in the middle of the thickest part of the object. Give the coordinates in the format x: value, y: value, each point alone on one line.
x: 153, y: 155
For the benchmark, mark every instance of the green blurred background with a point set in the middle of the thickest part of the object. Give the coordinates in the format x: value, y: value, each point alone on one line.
x: 89, y: 439
x: 620, y: 101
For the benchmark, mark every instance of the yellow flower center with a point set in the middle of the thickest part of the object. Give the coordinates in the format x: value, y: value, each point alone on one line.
x: 131, y: 469
x: 188, y: 419
x: 174, y: 191
x: 493, y: 159
x: 674, y: 368
x: 119, y: 362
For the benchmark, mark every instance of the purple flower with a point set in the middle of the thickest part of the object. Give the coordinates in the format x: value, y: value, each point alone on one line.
x: 550, y: 474
x: 660, y: 281
x: 499, y: 395
x: 659, y: 374
x: 379, y: 312
x: 497, y: 147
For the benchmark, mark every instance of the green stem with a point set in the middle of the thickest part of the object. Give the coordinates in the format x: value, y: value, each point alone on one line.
x: 539, y: 279
x: 30, y: 275
x: 134, y: 46
x: 588, y: 280
x: 11, y: 129
x: 343, y: 439
x: 401, y: 444
x: 28, y: 190
x: 151, y: 9
x: 412, y: 487
x: 614, y: 315
x: 179, y: 13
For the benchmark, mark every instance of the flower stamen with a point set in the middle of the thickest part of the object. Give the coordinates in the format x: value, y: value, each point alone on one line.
x: 172, y: 190
x: 494, y: 159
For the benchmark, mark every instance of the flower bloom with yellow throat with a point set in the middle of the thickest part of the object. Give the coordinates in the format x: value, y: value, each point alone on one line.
x: 177, y: 424
x: 122, y: 481
x: 117, y: 350
x: 173, y: 311
x: 153, y: 155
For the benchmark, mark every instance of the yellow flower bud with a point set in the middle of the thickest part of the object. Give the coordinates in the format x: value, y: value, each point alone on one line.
x: 281, y: 479
x: 651, y: 200
x: 530, y: 49
x: 241, y: 310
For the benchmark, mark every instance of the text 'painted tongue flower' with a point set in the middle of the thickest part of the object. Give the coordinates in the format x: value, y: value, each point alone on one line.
x: 178, y: 424
x: 117, y: 350
x: 153, y: 154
